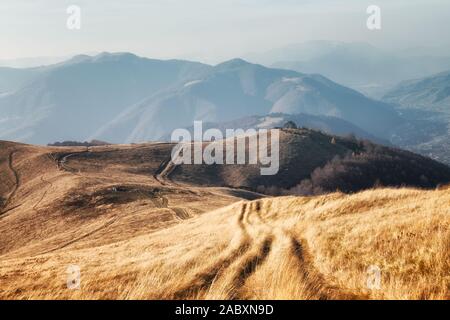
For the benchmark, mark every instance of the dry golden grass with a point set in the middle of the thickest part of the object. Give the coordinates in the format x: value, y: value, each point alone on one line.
x: 187, y: 242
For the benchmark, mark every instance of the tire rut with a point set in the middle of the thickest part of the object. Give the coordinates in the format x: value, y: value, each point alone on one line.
x: 248, y: 266
x: 203, y: 280
x: 228, y: 283
x: 315, y: 282
x: 261, y: 243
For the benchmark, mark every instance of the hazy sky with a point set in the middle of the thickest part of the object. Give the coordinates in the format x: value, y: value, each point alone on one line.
x: 213, y: 30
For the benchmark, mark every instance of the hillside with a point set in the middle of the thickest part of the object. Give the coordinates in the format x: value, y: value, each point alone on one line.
x: 136, y: 235
x: 13, y: 79
x: 85, y: 92
x: 326, y: 124
x: 431, y: 93
x: 328, y: 162
x: 236, y: 89
x: 425, y: 102
x: 310, y: 162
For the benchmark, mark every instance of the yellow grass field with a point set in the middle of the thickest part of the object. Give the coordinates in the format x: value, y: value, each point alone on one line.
x: 136, y: 234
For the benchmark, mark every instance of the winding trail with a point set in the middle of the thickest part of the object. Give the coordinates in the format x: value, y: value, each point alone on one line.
x: 50, y: 185
x: 314, y: 282
x: 102, y: 227
x: 165, y: 169
x: 44, y: 194
x: 62, y: 162
x: 158, y: 172
x: 16, y: 184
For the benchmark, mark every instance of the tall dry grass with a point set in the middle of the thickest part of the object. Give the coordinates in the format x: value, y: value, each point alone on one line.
x: 275, y: 248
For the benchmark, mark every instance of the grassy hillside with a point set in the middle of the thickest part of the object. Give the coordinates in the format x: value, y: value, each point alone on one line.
x: 277, y: 248
x: 312, y: 162
x: 138, y: 234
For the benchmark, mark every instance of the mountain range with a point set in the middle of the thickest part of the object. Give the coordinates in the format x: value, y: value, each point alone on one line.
x: 430, y: 93
x: 426, y: 100
x: 356, y: 64
x: 125, y: 98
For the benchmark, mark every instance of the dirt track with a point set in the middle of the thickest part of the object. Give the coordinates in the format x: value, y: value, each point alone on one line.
x: 62, y: 161
x: 16, y: 184
x: 67, y: 244
x: 258, y: 240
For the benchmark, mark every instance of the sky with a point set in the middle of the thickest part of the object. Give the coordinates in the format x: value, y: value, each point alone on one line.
x: 213, y: 30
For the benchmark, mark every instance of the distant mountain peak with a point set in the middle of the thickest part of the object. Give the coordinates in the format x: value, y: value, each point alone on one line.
x: 234, y: 63
x: 78, y: 58
x: 108, y: 56
x: 101, y: 57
